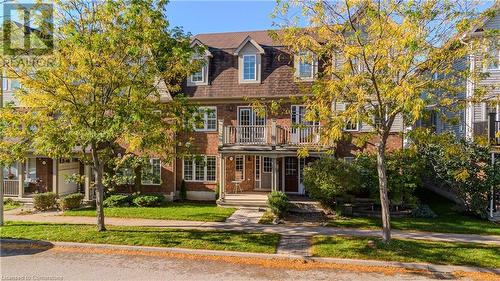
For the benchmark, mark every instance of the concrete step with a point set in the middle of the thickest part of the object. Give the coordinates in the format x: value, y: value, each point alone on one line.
x: 241, y: 204
x: 306, y: 207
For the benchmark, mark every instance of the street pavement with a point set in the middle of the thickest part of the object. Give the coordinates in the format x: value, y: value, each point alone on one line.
x: 59, y: 263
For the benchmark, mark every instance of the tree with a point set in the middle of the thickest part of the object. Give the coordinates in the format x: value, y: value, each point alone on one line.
x: 378, y: 58
x: 113, y: 63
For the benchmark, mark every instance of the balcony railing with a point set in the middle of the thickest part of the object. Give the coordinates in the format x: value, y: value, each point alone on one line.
x: 269, y: 135
x: 494, y: 134
x: 11, y: 187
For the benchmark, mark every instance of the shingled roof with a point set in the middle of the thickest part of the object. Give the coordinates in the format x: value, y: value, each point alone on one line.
x: 231, y: 40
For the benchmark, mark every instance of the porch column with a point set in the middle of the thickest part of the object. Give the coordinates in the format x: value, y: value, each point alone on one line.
x: 222, y: 193
x: 55, y: 175
x: 87, y: 170
x: 273, y: 132
x: 220, y: 128
x: 274, y: 175
x: 20, y: 176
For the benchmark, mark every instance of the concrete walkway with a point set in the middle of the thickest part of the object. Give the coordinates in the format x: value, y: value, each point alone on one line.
x: 279, y: 229
x: 246, y: 216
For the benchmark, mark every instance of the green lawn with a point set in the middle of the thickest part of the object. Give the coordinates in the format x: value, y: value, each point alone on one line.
x: 144, y: 236
x: 448, y: 221
x: 171, y: 211
x: 408, y: 251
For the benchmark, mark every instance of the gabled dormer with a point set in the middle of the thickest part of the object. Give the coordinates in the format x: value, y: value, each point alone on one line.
x: 249, y: 54
x: 202, y: 53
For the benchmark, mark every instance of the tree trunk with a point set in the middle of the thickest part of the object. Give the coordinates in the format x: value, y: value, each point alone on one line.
x: 98, y: 173
x: 384, y: 197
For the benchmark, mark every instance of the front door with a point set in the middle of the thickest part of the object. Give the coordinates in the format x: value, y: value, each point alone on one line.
x: 291, y: 175
x: 263, y: 172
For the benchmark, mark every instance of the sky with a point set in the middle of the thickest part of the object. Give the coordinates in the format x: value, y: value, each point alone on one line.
x: 207, y: 16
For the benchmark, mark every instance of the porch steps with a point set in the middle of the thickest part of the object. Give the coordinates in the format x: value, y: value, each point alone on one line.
x: 305, y: 206
x: 244, y: 200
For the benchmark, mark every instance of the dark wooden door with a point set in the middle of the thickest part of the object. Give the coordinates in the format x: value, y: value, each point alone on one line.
x: 291, y: 174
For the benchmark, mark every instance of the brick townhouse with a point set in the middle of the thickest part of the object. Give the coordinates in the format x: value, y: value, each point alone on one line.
x: 238, y: 149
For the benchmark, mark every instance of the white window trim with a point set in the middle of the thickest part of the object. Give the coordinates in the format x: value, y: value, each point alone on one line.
x: 314, y: 66
x: 243, y: 172
x: 202, y: 76
x: 155, y: 184
x: 205, y: 120
x: 352, y: 130
x: 193, y: 165
x: 243, y: 69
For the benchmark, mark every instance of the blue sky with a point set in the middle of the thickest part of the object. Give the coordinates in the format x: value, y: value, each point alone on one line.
x: 205, y: 16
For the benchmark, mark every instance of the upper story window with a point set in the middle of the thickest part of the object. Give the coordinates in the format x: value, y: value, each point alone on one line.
x: 208, y: 116
x: 249, y: 54
x: 197, y: 76
x: 493, y: 61
x: 249, y: 67
x: 306, y: 66
x: 202, y: 55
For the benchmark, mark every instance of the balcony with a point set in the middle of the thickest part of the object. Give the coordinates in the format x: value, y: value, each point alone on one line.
x: 269, y: 135
x: 488, y: 129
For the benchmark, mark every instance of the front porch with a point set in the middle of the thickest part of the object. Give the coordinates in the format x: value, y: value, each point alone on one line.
x: 39, y: 174
x: 246, y: 178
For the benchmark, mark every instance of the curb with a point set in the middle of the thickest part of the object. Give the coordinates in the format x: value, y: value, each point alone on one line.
x: 375, y: 263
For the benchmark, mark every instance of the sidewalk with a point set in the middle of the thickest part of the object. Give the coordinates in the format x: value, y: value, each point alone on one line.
x: 302, y: 231
x: 374, y: 265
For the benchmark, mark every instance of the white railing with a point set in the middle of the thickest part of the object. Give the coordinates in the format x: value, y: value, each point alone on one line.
x: 304, y: 134
x: 251, y: 134
x: 269, y: 134
x: 11, y: 187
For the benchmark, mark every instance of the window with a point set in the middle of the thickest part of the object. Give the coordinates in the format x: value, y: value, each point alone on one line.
x: 10, y: 172
x: 208, y: 119
x: 249, y: 67
x: 290, y: 167
x: 351, y: 126
x: 268, y: 165
x: 151, y: 172
x: 197, y: 76
x: 305, y: 65
x: 202, y: 168
x: 493, y: 56
x: 14, y: 84
x: 30, y: 170
x: 239, y: 174
x: 257, y: 168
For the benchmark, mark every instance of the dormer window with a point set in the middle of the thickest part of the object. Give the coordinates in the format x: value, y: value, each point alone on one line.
x: 198, y: 76
x: 202, y: 55
x: 249, y: 55
x: 306, y: 66
x: 249, y: 67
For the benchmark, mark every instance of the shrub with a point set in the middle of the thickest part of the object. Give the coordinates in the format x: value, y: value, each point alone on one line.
x: 72, y: 201
x: 117, y: 200
x: 278, y: 202
x: 217, y: 191
x: 404, y: 173
x: 44, y: 201
x: 462, y: 166
x: 8, y: 201
x: 183, y: 191
x: 150, y: 200
x: 423, y: 211
x: 327, y: 178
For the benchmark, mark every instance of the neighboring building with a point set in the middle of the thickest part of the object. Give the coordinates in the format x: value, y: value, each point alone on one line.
x: 480, y: 121
x: 239, y: 150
